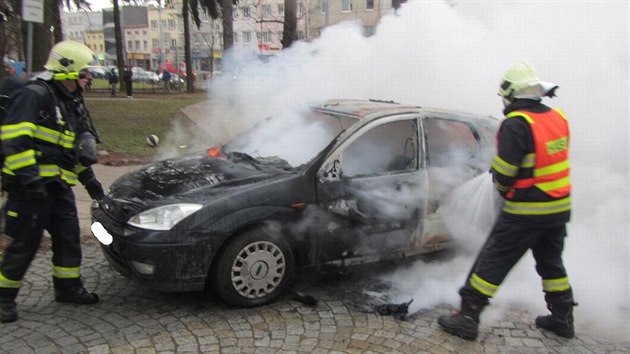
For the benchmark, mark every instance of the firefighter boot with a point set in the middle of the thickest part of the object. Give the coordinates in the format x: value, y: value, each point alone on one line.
x: 72, y: 290
x: 465, y: 323
x: 561, y: 319
x: 76, y: 295
x: 9, y: 310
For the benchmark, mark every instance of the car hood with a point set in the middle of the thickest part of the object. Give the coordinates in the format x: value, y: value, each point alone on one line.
x: 187, y: 175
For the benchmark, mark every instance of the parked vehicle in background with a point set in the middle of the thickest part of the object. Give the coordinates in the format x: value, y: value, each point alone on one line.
x: 141, y: 75
x: 98, y: 72
x: 338, y: 183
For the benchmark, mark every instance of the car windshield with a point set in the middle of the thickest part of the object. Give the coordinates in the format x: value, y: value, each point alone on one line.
x: 290, y: 138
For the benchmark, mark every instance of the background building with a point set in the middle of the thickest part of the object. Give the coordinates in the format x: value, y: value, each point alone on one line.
x: 154, y: 35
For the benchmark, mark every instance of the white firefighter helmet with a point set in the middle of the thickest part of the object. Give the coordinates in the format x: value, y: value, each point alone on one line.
x: 521, y: 81
x: 67, y: 58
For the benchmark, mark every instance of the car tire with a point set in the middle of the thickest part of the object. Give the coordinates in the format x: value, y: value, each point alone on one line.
x: 253, y: 269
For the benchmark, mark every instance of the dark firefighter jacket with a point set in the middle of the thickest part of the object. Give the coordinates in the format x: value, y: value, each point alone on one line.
x: 516, y: 145
x: 38, y: 137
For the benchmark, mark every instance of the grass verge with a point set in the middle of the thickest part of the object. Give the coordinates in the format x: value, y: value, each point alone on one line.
x: 125, y: 123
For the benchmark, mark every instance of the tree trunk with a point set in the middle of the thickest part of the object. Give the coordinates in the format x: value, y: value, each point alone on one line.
x: 119, y: 45
x: 228, y: 29
x: 43, y: 39
x: 289, y: 32
x: 189, y: 76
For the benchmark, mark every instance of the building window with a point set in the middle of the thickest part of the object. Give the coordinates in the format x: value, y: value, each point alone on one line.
x: 264, y: 37
x: 300, y: 9
x: 369, y: 4
x: 247, y: 37
x: 300, y: 34
x: 266, y: 11
x: 280, y: 9
x: 129, y: 45
x: 346, y: 5
x: 155, y: 42
x: 323, y: 6
x: 171, y: 23
x: 246, y: 13
x: 137, y: 45
x: 154, y: 24
x: 144, y: 45
x: 235, y: 37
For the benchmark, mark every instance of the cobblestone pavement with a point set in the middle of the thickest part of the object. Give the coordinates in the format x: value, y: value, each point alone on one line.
x: 133, y: 319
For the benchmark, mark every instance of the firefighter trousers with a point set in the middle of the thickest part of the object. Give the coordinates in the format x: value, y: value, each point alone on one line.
x: 505, y: 246
x: 26, y: 221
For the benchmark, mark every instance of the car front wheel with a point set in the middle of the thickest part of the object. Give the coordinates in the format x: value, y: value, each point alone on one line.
x: 253, y: 269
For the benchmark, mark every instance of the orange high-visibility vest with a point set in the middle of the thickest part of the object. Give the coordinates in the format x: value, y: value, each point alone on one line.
x: 551, y: 156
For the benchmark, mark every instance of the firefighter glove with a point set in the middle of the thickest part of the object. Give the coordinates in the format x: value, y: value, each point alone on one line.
x: 95, y: 190
x: 35, y: 191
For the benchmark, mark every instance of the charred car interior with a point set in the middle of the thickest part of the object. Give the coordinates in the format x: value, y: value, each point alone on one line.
x: 339, y: 183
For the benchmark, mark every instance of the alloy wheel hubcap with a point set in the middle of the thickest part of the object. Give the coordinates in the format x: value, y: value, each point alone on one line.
x: 258, y: 269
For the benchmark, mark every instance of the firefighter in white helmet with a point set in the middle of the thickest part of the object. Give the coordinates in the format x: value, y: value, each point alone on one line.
x: 531, y: 172
x: 49, y: 143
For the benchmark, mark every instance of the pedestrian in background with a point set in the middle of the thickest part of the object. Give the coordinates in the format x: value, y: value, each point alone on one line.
x: 166, y: 78
x: 128, y: 80
x: 531, y: 172
x: 113, y: 81
x: 49, y: 143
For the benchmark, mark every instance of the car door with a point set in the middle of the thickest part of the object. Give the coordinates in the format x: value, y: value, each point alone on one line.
x: 372, y: 191
x: 454, y: 155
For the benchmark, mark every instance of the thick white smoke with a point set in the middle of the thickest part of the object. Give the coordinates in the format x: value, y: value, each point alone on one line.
x: 434, y: 53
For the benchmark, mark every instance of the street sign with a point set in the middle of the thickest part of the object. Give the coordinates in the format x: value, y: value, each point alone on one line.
x: 33, y: 11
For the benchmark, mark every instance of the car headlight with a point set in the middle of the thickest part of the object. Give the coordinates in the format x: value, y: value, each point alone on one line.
x: 163, y: 217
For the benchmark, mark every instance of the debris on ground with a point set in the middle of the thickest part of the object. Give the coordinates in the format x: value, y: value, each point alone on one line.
x: 305, y: 299
x: 397, y: 310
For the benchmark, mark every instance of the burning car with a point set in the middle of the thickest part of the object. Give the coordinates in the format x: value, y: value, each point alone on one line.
x: 344, y: 182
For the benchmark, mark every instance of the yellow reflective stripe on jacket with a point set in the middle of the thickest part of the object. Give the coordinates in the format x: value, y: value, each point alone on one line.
x: 12, y: 213
x: 561, y: 113
x: 53, y: 170
x: 11, y: 131
x: 537, y: 208
x: 500, y: 187
x: 504, y: 168
x: 520, y: 114
x: 549, y: 186
x: 556, y: 285
x: 52, y: 136
x: 555, y: 168
x: 20, y: 160
x: 66, y: 272
x: 482, y: 286
x: 8, y: 283
x: 529, y: 160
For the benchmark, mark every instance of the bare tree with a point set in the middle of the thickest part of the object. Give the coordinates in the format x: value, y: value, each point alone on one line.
x: 289, y: 30
x: 228, y: 24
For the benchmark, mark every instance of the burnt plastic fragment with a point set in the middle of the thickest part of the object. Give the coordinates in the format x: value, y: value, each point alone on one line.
x: 394, y: 309
x: 305, y: 299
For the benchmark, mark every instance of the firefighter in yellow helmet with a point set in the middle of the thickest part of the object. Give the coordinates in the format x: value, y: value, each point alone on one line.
x: 531, y: 172
x: 49, y: 143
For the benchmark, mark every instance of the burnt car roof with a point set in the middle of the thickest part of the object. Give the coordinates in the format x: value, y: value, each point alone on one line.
x: 361, y: 109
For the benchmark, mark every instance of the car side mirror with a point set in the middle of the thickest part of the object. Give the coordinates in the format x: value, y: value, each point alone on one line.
x: 330, y: 172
